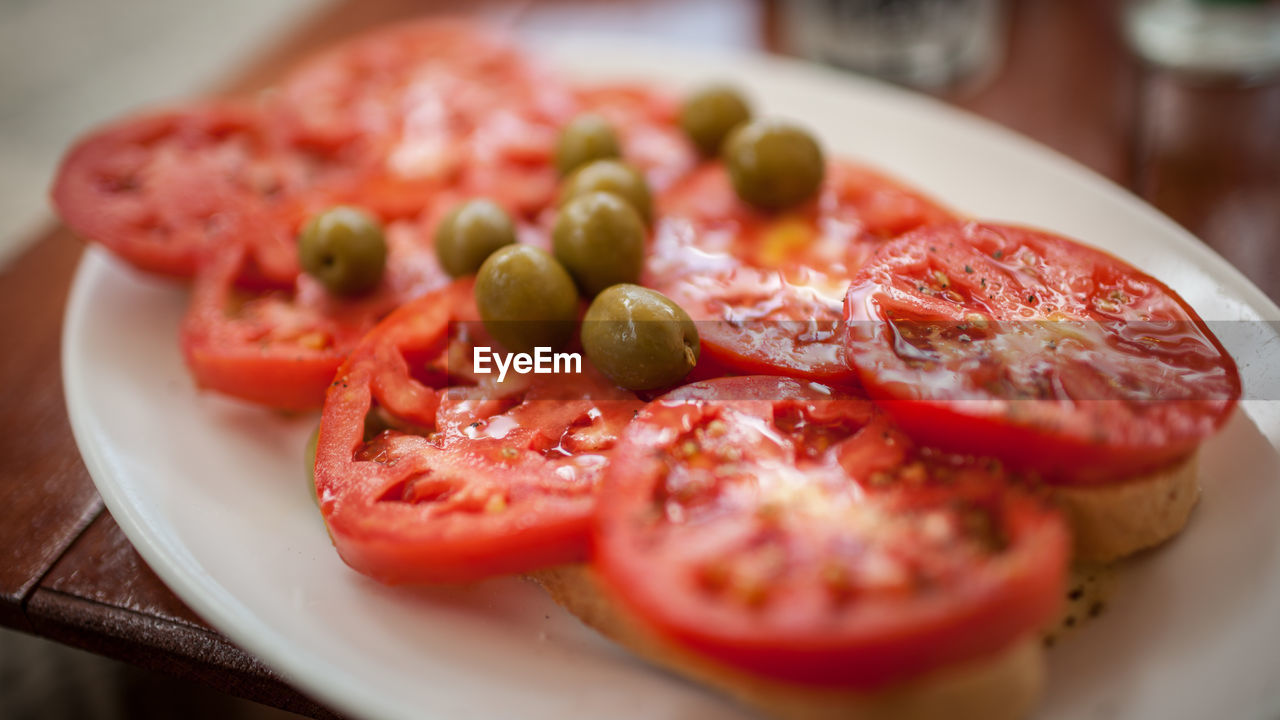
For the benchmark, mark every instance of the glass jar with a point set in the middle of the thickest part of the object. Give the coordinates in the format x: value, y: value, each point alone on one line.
x: 928, y: 44
x: 1207, y: 37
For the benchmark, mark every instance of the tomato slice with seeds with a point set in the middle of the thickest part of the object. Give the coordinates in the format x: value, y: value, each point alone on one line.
x: 446, y: 104
x: 387, y: 121
x: 154, y: 189
x: 1028, y: 346
x: 511, y: 152
x: 410, y: 89
x: 429, y: 105
x: 769, y: 290
x: 427, y: 472
x: 788, y: 530
x: 647, y: 122
x: 281, y: 347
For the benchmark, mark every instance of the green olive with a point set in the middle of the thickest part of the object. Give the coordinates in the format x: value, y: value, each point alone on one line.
x: 470, y: 233
x: 709, y: 115
x: 599, y: 238
x: 773, y: 165
x: 310, y: 452
x: 638, y: 338
x: 586, y: 138
x: 310, y: 455
x: 526, y: 299
x: 343, y: 247
x: 612, y: 176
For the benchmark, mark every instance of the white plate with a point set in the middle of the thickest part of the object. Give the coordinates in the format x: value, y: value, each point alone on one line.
x: 213, y: 494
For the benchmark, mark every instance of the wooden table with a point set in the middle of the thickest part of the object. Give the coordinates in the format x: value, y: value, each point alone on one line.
x: 1207, y: 155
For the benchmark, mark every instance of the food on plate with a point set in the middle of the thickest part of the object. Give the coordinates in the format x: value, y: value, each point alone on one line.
x: 873, y: 519
x: 1057, y: 358
x: 526, y: 299
x: 611, y: 176
x: 588, y: 137
x: 599, y: 238
x: 309, y: 458
x: 431, y: 105
x: 638, y: 338
x: 280, y: 348
x: 708, y: 115
x: 160, y: 189
x: 470, y: 233
x: 428, y: 472
x: 773, y: 164
x: 1113, y: 520
x: 767, y: 289
x: 645, y: 118
x: 785, y: 542
x: 384, y: 121
x: 344, y: 248
x: 401, y: 122
x: 1005, y: 686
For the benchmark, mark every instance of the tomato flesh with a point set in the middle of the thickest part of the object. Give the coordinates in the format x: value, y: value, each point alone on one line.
x: 159, y: 189
x: 389, y: 122
x: 1030, y: 347
x: 768, y: 290
x: 789, y: 530
x: 404, y: 122
x: 466, y: 481
x: 646, y: 121
x: 432, y: 105
x: 280, y: 348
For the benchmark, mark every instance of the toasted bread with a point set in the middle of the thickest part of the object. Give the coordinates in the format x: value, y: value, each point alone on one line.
x: 1003, y: 686
x: 1118, y: 519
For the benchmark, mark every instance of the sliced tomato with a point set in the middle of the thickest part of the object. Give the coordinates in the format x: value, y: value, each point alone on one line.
x: 788, y: 530
x: 445, y: 103
x: 281, y: 347
x: 432, y: 104
x: 156, y: 188
x: 428, y: 472
x: 769, y: 290
x: 412, y: 88
x: 1033, y: 348
x: 388, y: 122
x: 647, y: 121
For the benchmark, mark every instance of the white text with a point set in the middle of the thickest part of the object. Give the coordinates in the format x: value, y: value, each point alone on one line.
x: 541, y: 362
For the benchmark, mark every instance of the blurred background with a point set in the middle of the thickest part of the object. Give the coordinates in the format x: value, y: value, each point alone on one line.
x: 1176, y: 100
x: 67, y: 65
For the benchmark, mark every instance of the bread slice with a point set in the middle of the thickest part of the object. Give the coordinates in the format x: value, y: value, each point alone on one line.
x: 1004, y: 686
x: 1114, y: 520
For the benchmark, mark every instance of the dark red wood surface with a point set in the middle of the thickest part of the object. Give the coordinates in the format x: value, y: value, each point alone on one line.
x: 1206, y: 154
x: 46, y: 497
